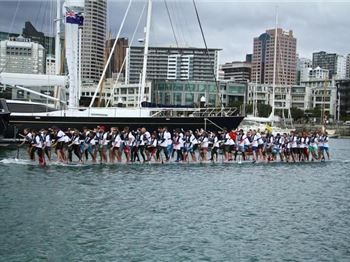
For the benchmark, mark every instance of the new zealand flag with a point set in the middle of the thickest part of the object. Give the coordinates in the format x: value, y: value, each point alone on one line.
x: 74, y: 18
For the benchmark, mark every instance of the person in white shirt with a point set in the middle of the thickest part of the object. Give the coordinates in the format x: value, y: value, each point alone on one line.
x: 28, y: 139
x: 144, y: 140
x: 177, y: 145
x: 60, y: 138
x: 39, y: 147
x: 255, y: 145
x: 203, y: 146
x: 326, y: 144
x: 48, y: 142
x: 75, y: 146
x: 163, y: 143
x: 214, y: 137
x: 151, y: 147
x: 128, y: 140
x: 114, y: 145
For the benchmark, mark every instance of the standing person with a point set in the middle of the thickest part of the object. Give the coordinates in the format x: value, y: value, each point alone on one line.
x: 167, y: 137
x: 90, y: 144
x: 135, y: 145
x: 294, y: 146
x: 228, y: 143
x: 47, y: 143
x: 203, y: 146
x: 194, y: 142
x: 144, y: 140
x: 39, y: 146
x: 162, y: 145
x: 128, y: 140
x: 177, y: 144
x: 60, y: 138
x: 326, y: 144
x: 188, y: 146
x: 240, y: 144
x: 151, y: 147
x: 320, y: 147
x: 304, y: 141
x: 28, y: 139
x: 216, y: 145
x: 255, y: 145
x: 84, y: 146
x: 313, y: 146
x: 112, y: 151
x: 102, y: 143
x: 75, y: 146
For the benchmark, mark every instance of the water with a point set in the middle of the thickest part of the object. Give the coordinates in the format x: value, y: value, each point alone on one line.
x: 222, y: 212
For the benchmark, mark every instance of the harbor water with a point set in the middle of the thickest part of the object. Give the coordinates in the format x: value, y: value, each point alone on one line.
x: 176, y: 212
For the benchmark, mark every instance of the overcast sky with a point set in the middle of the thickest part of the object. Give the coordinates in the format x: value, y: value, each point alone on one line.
x: 228, y: 24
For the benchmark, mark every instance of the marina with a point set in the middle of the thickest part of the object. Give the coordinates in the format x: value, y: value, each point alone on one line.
x: 154, y: 131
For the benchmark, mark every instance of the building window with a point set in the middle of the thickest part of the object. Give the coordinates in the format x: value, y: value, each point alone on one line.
x: 189, y: 98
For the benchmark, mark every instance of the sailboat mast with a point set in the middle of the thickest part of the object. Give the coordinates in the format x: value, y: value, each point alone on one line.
x: 110, y: 56
x: 57, y: 38
x: 145, y: 53
x: 57, y: 48
x: 274, y: 70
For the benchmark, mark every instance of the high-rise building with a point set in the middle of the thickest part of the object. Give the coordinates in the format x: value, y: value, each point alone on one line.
x: 20, y: 55
x: 263, y: 58
x: 172, y: 63
x: 341, y: 67
x: 343, y: 90
x: 304, y: 65
x: 93, y: 40
x: 115, y: 66
x: 333, y: 62
x: 30, y: 32
x: 237, y: 71
x: 347, y: 74
x: 48, y: 42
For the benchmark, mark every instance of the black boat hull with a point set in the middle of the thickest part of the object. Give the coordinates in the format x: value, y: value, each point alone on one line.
x: 151, y: 123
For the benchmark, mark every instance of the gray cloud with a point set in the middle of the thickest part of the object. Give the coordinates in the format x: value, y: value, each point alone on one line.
x: 230, y: 25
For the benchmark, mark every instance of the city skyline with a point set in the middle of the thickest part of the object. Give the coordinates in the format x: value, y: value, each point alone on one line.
x: 318, y: 26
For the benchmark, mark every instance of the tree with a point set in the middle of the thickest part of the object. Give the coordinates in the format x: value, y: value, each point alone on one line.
x: 264, y: 110
x: 296, y: 113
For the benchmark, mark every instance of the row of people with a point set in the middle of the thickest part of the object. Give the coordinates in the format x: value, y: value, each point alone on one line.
x: 141, y: 145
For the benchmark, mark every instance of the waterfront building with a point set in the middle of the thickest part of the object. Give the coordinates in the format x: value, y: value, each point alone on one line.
x: 115, y: 66
x: 262, y: 94
x: 263, y: 58
x: 176, y: 92
x: 172, y: 63
x: 239, y: 72
x: 347, y: 71
x: 343, y: 92
x: 322, y: 94
x: 20, y: 55
x: 93, y: 41
x: 48, y: 42
x: 301, y: 97
x: 30, y: 32
x: 335, y: 63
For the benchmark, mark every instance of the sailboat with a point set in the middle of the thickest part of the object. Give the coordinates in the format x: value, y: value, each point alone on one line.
x: 78, y: 117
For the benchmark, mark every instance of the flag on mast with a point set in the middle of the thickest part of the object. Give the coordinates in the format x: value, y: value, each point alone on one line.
x: 74, y: 17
